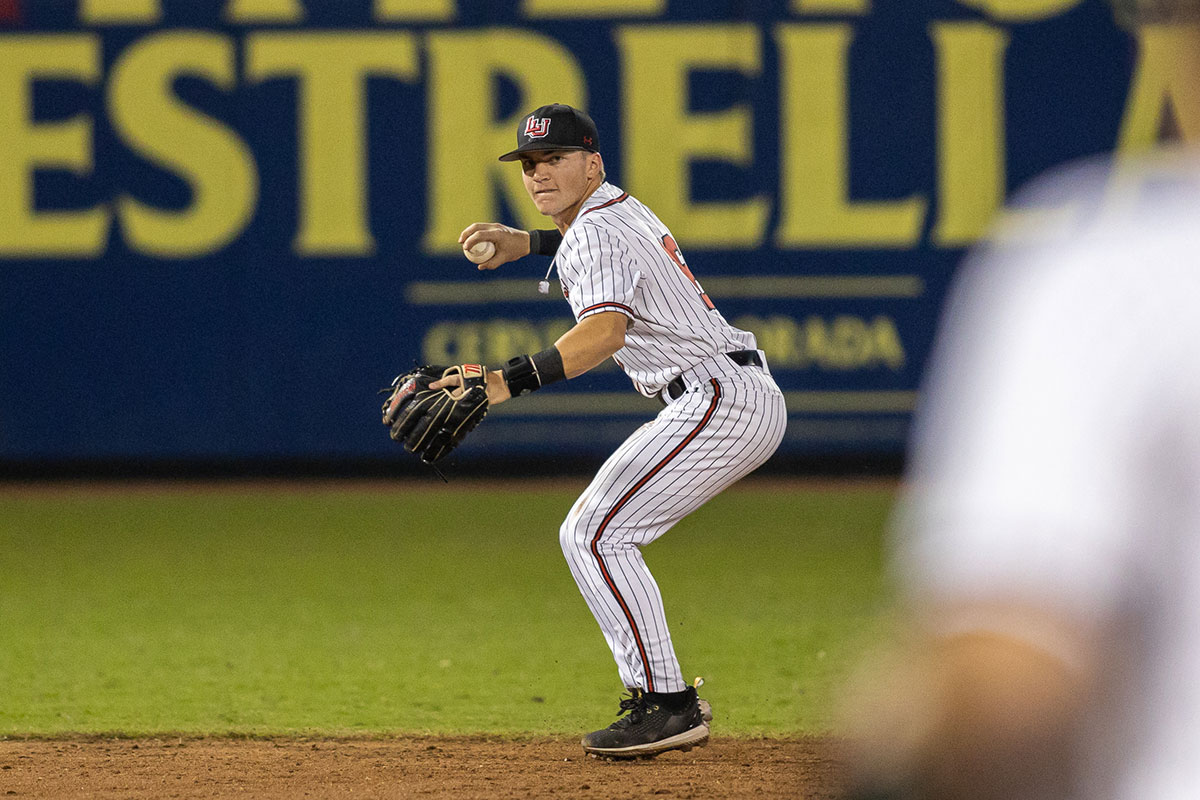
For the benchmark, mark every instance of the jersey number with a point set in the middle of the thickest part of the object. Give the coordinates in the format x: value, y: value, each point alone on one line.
x: 677, y: 256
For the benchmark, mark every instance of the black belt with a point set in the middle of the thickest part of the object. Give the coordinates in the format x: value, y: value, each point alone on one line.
x: 743, y: 358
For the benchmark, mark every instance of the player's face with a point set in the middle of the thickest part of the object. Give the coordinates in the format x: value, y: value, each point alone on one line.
x: 557, y: 180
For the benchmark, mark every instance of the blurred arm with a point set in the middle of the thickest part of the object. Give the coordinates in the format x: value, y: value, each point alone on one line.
x: 978, y: 714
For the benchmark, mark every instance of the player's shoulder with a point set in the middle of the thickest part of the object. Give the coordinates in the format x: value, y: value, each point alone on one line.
x: 1110, y: 195
x: 1118, y: 212
x: 607, y: 204
x: 599, y: 223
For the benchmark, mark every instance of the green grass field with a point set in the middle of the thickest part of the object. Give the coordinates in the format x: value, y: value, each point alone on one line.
x: 344, y: 609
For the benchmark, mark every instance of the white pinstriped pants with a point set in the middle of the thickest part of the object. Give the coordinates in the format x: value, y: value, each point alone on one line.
x: 718, y: 431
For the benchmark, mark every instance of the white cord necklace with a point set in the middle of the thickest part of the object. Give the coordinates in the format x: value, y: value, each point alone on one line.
x: 544, y: 283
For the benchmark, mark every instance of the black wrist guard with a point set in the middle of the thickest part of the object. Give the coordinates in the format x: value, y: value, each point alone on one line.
x: 525, y: 374
x: 544, y: 243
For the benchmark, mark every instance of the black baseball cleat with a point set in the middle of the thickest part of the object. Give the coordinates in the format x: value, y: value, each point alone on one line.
x: 650, y: 724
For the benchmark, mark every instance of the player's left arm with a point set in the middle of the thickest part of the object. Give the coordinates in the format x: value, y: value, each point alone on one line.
x: 592, y: 341
x: 587, y: 345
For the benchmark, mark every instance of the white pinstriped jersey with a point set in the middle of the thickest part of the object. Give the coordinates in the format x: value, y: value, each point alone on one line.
x: 618, y: 256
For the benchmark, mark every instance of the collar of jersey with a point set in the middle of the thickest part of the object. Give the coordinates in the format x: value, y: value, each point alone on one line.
x: 604, y: 192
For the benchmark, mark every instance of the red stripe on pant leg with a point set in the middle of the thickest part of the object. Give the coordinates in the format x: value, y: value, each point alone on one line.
x: 612, y: 586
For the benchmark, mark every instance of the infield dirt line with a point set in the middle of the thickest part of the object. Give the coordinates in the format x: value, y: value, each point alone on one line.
x: 458, y: 767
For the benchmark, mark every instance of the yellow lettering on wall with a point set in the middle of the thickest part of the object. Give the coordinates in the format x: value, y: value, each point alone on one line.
x: 816, y: 209
x: 490, y: 342
x: 331, y: 70
x: 249, y: 12
x: 1163, y: 103
x: 827, y: 7
x: 596, y: 9
x: 119, y: 12
x: 844, y: 343
x: 971, y: 143
x: 465, y: 137
x: 27, y: 146
x: 214, y: 162
x: 1164, y: 82
x: 1022, y: 10
x: 778, y: 336
x: 414, y: 10
x: 886, y: 345
x: 661, y: 137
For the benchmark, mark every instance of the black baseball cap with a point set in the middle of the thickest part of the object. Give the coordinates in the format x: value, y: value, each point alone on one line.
x: 555, y: 127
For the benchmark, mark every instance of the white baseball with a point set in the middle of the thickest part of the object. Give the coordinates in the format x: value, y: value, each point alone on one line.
x: 481, y: 252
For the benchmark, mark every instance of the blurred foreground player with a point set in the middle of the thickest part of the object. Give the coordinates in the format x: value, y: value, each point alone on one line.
x: 1049, y: 540
x: 635, y: 300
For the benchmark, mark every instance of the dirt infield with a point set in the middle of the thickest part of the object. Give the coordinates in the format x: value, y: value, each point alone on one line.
x: 413, y: 767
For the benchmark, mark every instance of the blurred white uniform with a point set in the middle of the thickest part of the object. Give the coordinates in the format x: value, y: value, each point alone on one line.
x: 1057, y: 465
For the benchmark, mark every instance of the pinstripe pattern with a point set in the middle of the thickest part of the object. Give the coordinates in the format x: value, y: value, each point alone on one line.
x: 615, y: 257
x: 714, y: 434
x: 618, y: 256
x: 606, y: 307
x: 617, y: 508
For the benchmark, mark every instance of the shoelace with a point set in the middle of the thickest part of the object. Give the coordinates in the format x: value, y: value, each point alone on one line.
x: 635, y: 706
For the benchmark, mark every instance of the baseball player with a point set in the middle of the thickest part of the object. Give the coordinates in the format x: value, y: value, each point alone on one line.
x: 1049, y: 545
x: 635, y: 300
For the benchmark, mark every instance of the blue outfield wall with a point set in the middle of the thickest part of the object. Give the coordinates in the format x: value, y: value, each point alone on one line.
x: 225, y: 225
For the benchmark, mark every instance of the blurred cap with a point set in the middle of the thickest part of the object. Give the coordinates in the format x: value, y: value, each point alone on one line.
x: 555, y: 127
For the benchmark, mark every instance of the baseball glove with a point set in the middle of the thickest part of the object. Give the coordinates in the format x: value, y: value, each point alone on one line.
x: 432, y: 422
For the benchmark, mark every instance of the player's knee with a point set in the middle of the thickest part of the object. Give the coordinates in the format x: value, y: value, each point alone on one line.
x: 571, y: 536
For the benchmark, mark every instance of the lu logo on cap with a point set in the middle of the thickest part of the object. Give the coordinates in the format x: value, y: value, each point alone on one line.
x: 537, y: 127
x: 572, y: 129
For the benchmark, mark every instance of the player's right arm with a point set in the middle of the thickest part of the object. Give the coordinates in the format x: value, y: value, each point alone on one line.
x: 511, y: 243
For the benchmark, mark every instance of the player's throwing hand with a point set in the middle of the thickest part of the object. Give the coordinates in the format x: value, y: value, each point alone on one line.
x: 510, y: 243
